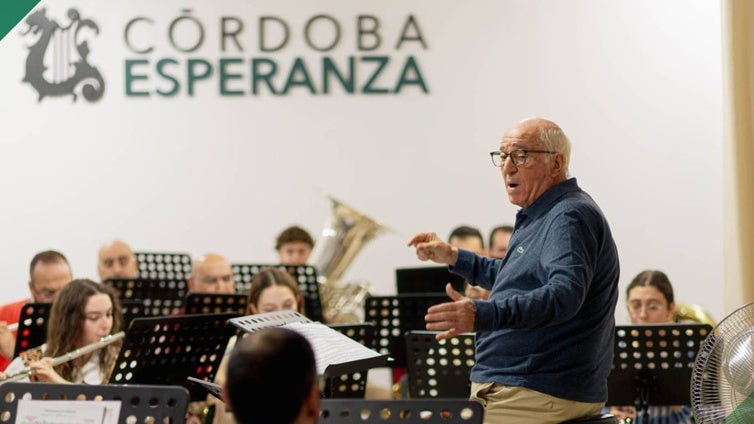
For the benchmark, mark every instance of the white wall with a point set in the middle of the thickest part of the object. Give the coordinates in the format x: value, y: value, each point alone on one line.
x: 635, y: 84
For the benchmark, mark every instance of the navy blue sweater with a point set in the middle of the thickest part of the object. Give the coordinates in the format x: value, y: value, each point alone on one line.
x: 549, y: 322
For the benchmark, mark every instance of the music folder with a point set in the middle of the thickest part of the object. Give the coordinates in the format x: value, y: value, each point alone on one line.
x: 334, y: 352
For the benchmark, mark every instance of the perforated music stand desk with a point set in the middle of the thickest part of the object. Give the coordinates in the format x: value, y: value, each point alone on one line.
x: 351, y: 385
x: 32, y: 326
x: 411, y: 411
x: 160, y: 297
x: 428, y: 279
x: 215, y: 303
x: 653, y: 364
x: 164, y: 265
x: 305, y: 276
x: 130, y: 309
x: 439, y: 368
x: 168, y: 350
x: 393, y: 316
x: 139, y: 403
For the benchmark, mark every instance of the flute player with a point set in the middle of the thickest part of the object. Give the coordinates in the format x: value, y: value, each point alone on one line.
x: 83, y: 313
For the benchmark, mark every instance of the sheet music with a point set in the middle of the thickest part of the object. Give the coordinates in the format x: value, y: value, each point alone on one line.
x: 330, y: 346
x: 34, y: 411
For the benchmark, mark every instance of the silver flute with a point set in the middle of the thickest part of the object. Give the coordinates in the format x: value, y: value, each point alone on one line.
x: 69, y: 356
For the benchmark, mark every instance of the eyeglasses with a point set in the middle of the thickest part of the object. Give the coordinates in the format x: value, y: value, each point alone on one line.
x: 519, y: 156
x: 635, y: 308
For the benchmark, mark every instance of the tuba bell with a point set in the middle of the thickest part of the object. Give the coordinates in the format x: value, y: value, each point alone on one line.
x: 347, y: 232
x: 692, y: 313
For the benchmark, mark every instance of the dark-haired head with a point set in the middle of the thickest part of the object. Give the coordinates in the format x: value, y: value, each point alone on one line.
x: 273, y: 289
x: 272, y: 366
x: 650, y: 298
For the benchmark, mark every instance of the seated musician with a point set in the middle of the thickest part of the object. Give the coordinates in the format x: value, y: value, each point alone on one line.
x: 116, y: 259
x: 650, y: 301
x: 272, y: 290
x: 211, y: 273
x: 82, y: 314
x: 470, y: 238
x: 49, y: 271
x: 294, y: 246
x: 273, y: 366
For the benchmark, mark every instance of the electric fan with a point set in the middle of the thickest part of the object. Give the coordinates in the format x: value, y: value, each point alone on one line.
x: 722, y: 382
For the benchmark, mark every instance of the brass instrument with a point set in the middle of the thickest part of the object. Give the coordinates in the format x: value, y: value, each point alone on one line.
x: 693, y: 313
x: 26, y: 372
x: 346, y: 234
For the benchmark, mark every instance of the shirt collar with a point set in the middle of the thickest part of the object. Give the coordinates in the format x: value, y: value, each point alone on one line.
x: 546, y: 200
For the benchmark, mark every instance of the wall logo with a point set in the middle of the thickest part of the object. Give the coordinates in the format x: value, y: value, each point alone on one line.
x: 57, y: 62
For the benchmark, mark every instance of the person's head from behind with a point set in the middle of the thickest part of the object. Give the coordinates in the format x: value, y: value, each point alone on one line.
x: 533, y: 157
x: 468, y: 238
x: 272, y: 290
x: 49, y: 272
x: 499, y: 238
x: 84, y: 312
x: 650, y: 298
x: 211, y: 273
x: 116, y: 260
x: 294, y: 245
x: 272, y: 366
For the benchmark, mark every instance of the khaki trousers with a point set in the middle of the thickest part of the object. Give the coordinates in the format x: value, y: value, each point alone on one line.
x: 519, y: 405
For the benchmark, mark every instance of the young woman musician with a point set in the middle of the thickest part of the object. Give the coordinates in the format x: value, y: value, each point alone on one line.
x: 650, y: 300
x: 82, y: 315
x: 273, y: 289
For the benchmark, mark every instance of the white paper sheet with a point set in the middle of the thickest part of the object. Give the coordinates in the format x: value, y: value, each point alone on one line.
x: 331, y: 346
x: 33, y: 411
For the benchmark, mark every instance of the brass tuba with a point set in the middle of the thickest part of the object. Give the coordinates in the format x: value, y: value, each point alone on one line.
x: 345, y: 235
x: 692, y: 313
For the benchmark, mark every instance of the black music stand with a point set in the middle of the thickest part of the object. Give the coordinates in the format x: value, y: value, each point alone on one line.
x: 138, y: 403
x: 351, y: 385
x: 130, y: 309
x: 163, y: 265
x: 215, y: 303
x: 439, y: 368
x: 305, y: 276
x: 414, y: 411
x: 160, y: 297
x: 428, y: 279
x: 167, y: 350
x: 653, y: 364
x: 393, y: 316
x: 32, y: 326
